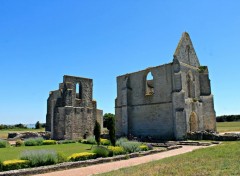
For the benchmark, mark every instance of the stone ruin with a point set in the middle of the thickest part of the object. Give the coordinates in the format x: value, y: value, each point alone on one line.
x: 175, y: 102
x: 177, y: 99
x: 71, y: 110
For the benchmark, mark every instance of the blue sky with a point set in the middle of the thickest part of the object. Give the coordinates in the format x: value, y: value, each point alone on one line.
x: 42, y: 40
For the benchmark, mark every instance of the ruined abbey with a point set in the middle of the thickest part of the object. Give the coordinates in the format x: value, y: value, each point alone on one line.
x: 176, y: 100
x: 71, y: 110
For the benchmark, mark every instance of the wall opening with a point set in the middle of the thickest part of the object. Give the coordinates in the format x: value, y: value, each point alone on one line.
x: 190, y: 86
x: 78, y: 91
x: 149, y: 84
x: 193, y: 122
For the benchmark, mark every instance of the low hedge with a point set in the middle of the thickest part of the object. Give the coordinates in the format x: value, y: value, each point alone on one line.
x: 66, y: 141
x: 101, y: 151
x: 82, y: 156
x: 19, y: 143
x: 49, y: 142
x: 104, y: 141
x: 14, y: 164
x: 117, y: 150
x: 89, y: 140
x: 131, y: 146
x: 33, y: 141
x: 40, y: 157
x: 143, y: 147
x: 4, y: 143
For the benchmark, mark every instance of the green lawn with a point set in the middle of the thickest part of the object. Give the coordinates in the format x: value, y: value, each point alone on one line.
x: 228, y: 126
x: 4, y: 133
x: 66, y: 149
x: 223, y: 159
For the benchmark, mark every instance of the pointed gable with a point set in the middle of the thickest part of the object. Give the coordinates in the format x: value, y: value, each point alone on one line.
x: 185, y: 52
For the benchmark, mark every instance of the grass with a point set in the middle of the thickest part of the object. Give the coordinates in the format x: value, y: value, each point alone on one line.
x: 218, y: 160
x: 4, y: 133
x: 228, y: 126
x: 66, y: 149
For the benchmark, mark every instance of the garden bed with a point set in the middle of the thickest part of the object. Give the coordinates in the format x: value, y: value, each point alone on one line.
x: 69, y: 165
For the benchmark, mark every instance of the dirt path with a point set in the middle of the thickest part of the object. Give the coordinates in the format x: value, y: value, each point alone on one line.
x: 106, y: 167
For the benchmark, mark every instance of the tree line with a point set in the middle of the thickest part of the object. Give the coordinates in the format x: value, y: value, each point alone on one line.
x: 228, y: 118
x: 38, y: 125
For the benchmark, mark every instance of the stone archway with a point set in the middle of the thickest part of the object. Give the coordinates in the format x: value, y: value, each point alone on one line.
x: 193, y: 122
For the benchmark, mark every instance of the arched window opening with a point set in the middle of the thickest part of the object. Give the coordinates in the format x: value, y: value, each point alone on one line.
x: 149, y: 84
x: 78, y: 91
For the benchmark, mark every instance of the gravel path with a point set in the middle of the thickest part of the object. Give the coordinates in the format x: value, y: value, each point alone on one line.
x: 106, y: 167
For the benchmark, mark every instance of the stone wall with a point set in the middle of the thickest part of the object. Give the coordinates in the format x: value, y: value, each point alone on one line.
x: 71, y: 111
x: 177, y: 100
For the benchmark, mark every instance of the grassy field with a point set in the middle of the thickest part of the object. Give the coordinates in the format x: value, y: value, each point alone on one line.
x: 228, y: 126
x: 66, y: 149
x: 4, y: 133
x: 218, y: 160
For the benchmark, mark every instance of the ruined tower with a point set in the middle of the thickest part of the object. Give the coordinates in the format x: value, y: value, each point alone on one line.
x: 175, y: 101
x: 71, y: 110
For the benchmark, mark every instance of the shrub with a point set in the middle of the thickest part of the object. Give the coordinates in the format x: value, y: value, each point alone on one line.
x: 90, y: 140
x: 116, y: 150
x: 66, y: 141
x: 0, y: 165
x: 131, y: 146
x: 97, y: 132
x: 4, y: 143
x: 111, y: 128
x: 121, y: 140
x: 104, y: 141
x: 40, y: 157
x: 19, y: 143
x: 202, y: 69
x: 106, y: 118
x: 143, y: 147
x: 38, y: 125
x: 150, y: 147
x: 14, y: 164
x: 33, y: 141
x: 49, y: 142
x: 80, y: 140
x: 101, y: 151
x: 61, y: 157
x: 82, y: 156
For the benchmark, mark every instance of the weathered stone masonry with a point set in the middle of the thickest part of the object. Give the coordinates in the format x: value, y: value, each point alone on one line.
x: 177, y: 100
x: 71, y: 110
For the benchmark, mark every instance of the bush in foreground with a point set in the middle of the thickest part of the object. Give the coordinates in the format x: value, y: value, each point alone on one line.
x: 116, y: 150
x: 131, y: 146
x: 49, y: 142
x: 82, y: 156
x: 33, y: 141
x: 4, y: 143
x: 121, y: 140
x: 90, y: 140
x: 14, y: 164
x: 40, y: 157
x: 66, y: 141
x: 143, y: 147
x: 101, y: 151
x: 104, y: 141
x: 19, y: 143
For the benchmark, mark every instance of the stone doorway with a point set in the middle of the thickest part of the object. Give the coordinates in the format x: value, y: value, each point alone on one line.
x: 193, y: 122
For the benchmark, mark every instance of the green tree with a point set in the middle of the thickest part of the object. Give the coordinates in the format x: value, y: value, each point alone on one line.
x: 106, y: 118
x: 97, y: 132
x: 111, y: 128
x: 38, y: 125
